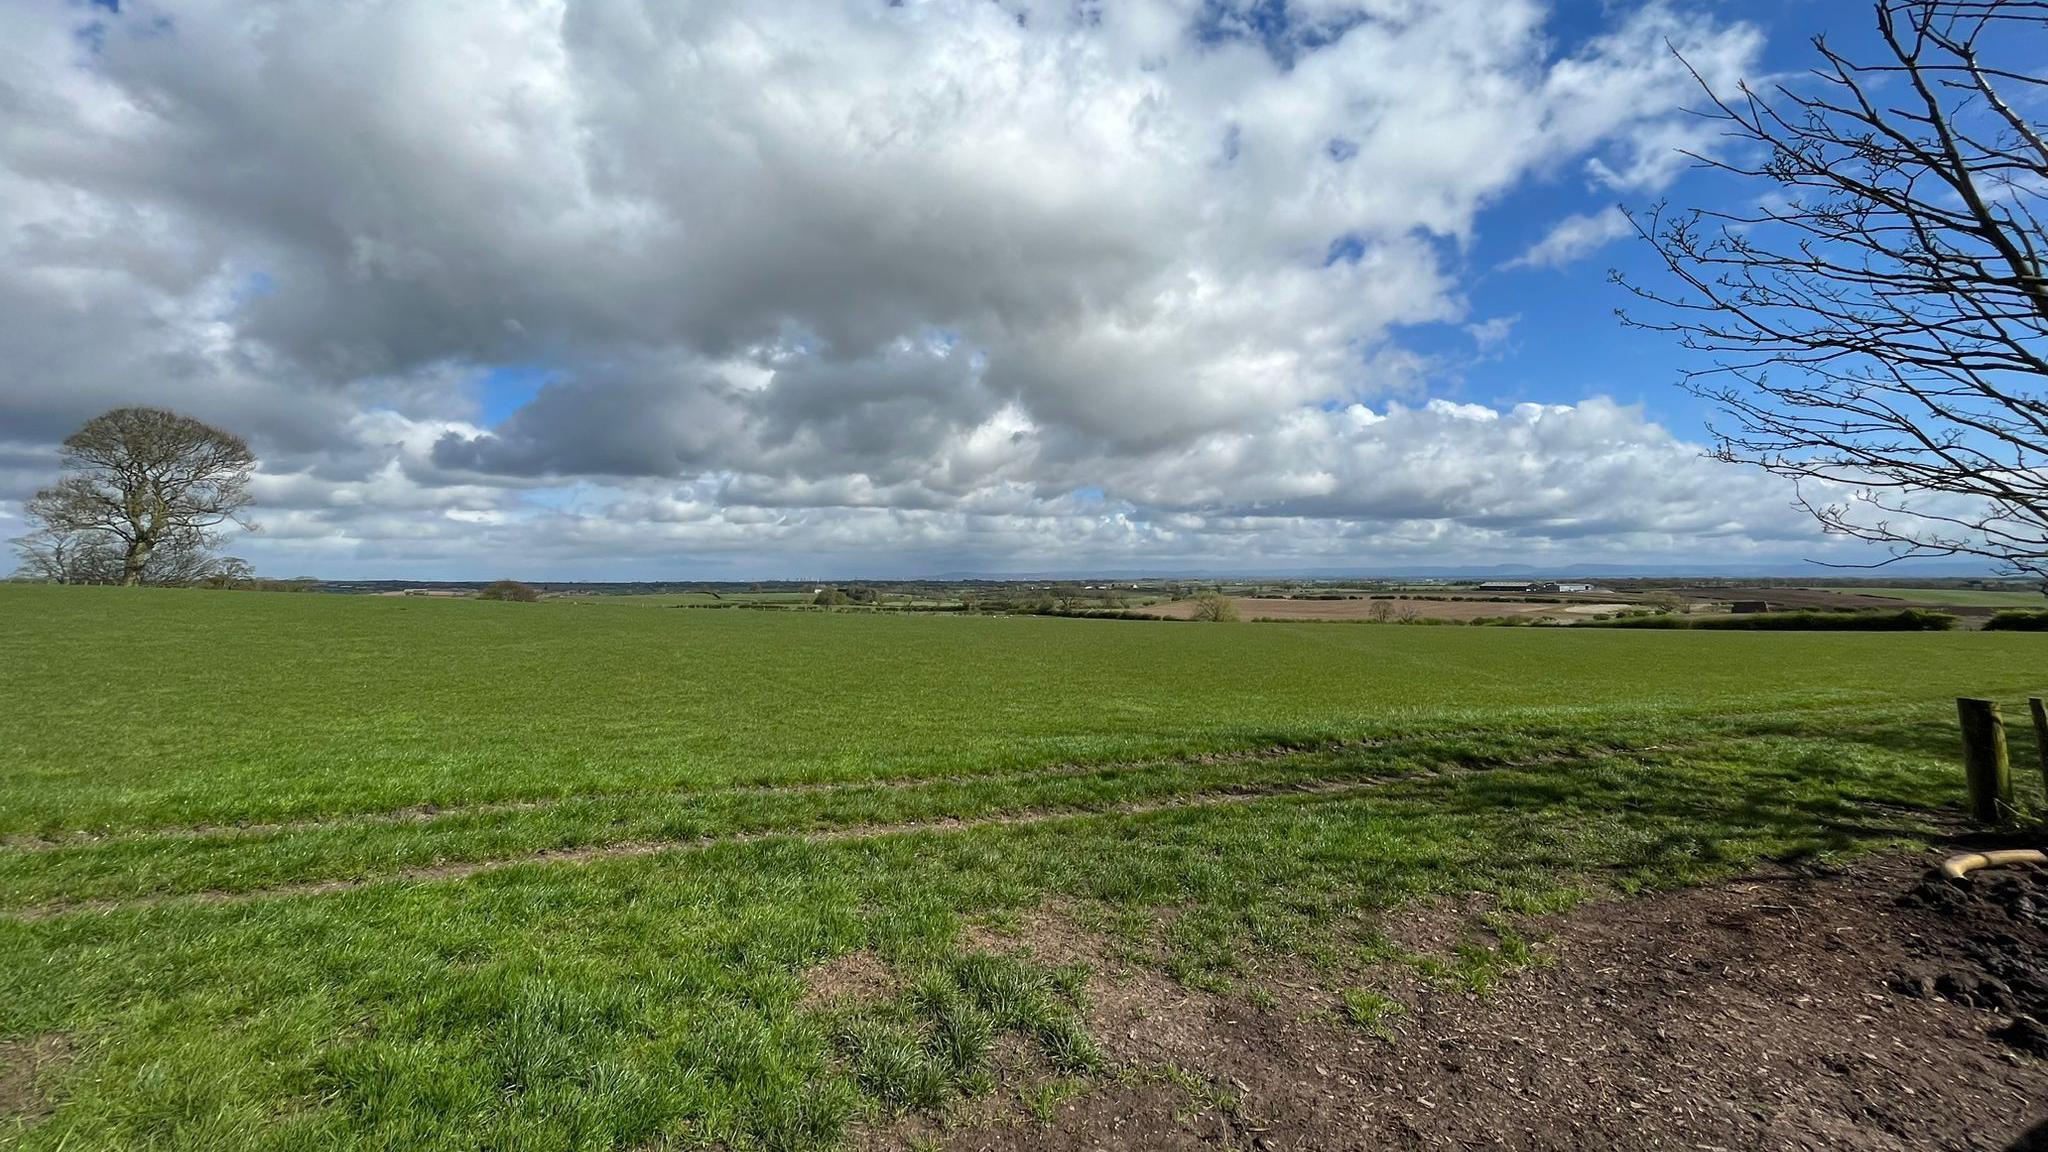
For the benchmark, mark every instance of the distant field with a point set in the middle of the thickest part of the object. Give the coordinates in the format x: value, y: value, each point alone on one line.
x: 683, y: 599
x: 303, y: 871
x: 1467, y: 608
x: 735, y: 599
x: 1966, y: 597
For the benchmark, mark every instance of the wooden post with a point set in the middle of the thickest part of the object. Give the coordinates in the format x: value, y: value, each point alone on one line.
x: 1985, y: 763
x: 2040, y: 734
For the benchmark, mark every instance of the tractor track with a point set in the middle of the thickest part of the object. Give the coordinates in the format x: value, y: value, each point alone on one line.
x: 428, y: 813
x: 1226, y: 796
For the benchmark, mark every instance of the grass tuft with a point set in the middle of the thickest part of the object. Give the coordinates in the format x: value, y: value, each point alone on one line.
x: 1371, y: 1011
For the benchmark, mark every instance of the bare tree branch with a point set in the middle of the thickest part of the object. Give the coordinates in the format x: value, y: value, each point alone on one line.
x: 1879, y: 323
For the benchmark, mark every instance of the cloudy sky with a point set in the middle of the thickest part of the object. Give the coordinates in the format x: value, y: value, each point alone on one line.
x: 634, y: 288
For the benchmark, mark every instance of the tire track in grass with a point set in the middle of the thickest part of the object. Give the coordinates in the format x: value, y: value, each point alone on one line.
x: 213, y: 872
x: 1323, y: 788
x: 137, y: 870
x: 428, y: 813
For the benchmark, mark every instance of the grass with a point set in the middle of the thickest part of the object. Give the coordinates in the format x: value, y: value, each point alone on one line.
x: 1959, y: 597
x: 140, y: 710
x: 936, y: 1041
x: 1372, y: 1011
x: 322, y: 980
x: 683, y: 599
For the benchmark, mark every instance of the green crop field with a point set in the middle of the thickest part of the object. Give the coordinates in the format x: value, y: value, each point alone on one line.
x: 301, y: 871
x: 1961, y: 597
x: 684, y: 599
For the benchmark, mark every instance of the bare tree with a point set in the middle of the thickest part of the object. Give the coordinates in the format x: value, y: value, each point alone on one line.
x: 92, y: 557
x: 142, y: 493
x: 192, y: 558
x: 1880, y: 323
x: 64, y: 557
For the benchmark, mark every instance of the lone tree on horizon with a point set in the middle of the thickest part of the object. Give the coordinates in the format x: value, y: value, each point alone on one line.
x: 1879, y: 324
x: 142, y: 493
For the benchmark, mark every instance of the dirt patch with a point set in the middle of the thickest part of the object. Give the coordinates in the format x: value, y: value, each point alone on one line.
x: 25, y: 1068
x: 1434, y: 927
x: 851, y: 980
x: 1750, y: 1014
x: 1990, y: 954
x: 1150, y: 1028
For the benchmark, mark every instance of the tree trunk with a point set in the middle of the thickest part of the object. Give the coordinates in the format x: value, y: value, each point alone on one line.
x: 131, y: 564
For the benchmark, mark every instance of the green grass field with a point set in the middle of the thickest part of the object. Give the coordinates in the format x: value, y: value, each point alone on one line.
x: 299, y: 871
x: 1960, y: 597
x: 684, y: 599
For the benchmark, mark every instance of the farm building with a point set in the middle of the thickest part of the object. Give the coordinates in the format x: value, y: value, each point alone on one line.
x: 1505, y: 586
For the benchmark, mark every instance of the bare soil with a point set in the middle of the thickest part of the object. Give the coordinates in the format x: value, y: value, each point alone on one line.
x: 853, y: 979
x: 1995, y: 931
x: 1761, y: 1013
x: 24, y: 1068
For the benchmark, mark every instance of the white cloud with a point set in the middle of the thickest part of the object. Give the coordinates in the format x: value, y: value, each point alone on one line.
x: 1351, y: 486
x: 1491, y: 334
x: 845, y: 275
x: 1574, y: 238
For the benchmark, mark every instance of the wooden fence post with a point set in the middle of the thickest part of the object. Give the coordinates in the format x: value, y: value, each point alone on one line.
x: 2040, y: 733
x: 1985, y: 763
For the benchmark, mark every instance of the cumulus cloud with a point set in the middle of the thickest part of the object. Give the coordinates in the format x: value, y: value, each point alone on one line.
x: 826, y: 277
x: 1396, y: 484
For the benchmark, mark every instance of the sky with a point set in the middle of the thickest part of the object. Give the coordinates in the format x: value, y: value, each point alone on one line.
x: 630, y: 289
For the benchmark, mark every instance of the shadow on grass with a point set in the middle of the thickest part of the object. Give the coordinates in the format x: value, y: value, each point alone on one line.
x: 1661, y: 820
x: 1938, y: 737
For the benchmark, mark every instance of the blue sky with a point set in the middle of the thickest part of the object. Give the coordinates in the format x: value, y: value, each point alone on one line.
x: 1566, y: 342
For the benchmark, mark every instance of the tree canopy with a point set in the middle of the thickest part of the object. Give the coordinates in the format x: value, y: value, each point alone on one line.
x: 142, y: 499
